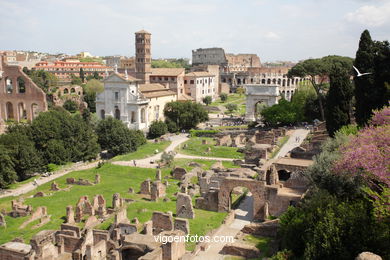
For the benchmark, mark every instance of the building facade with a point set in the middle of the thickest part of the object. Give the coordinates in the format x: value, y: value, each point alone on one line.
x: 199, y: 85
x: 65, y: 70
x: 209, y: 56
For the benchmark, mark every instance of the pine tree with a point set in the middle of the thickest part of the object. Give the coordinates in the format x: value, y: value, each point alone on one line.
x: 339, y: 99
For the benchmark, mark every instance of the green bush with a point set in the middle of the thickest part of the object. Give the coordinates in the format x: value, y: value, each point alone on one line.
x: 71, y: 106
x: 203, y: 133
x: 223, y: 97
x: 157, y: 129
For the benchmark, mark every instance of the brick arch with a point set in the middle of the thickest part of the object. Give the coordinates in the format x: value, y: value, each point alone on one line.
x: 257, y: 188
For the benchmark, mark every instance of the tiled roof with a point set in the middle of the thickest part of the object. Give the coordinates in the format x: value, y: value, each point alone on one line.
x: 199, y: 74
x: 167, y: 71
x: 185, y: 97
x: 155, y: 90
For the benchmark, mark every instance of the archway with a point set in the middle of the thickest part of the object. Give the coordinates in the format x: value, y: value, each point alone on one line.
x: 66, y: 91
x: 259, y: 93
x: 22, y: 113
x: 9, y: 109
x: 132, y: 252
x: 284, y: 175
x: 117, y: 113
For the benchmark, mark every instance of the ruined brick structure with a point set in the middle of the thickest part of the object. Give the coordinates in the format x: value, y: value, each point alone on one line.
x: 20, y: 98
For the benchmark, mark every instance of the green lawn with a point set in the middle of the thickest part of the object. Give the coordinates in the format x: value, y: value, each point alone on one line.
x: 114, y: 179
x: 195, y: 147
x: 232, y: 98
x: 143, y: 151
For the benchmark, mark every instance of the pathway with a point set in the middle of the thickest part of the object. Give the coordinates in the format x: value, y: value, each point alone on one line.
x: 42, y: 180
x: 243, y: 216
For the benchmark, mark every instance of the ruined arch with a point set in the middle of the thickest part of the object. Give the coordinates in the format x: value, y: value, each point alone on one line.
x: 66, y: 91
x: 257, y: 189
x: 284, y: 175
x: 132, y: 252
x: 259, y: 93
x: 72, y: 90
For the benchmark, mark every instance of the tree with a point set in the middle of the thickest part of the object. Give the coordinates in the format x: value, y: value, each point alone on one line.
x: 318, y: 71
x: 44, y: 80
x: 231, y: 107
x: 75, y: 80
x: 185, y: 115
x: 91, y: 89
x: 7, y: 172
x: 61, y: 137
x: 223, y: 97
x: 370, y: 90
x: 82, y: 75
x: 157, y: 129
x: 339, y: 99
x: 71, y: 106
x: 26, y: 159
x: 115, y: 137
x: 207, y: 100
x: 240, y: 91
x: 282, y: 113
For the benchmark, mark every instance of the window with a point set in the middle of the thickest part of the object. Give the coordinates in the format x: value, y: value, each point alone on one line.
x: 133, y: 117
x: 192, y: 81
x: 166, y: 78
x: 21, y: 85
x: 102, y: 114
x: 116, y: 96
x: 185, y: 81
x: 143, y: 115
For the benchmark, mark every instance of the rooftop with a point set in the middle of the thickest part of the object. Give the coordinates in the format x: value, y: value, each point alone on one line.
x: 199, y: 74
x: 152, y: 90
x: 167, y: 71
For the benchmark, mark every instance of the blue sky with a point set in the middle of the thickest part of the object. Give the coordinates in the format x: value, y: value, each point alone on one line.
x: 273, y: 29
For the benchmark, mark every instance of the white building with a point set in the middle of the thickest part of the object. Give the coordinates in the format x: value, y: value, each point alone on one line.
x: 200, y: 84
x: 137, y: 105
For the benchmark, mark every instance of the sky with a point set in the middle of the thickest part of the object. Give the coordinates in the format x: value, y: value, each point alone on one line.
x: 273, y: 29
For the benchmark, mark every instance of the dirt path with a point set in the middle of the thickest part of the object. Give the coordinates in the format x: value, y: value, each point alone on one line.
x: 25, y: 188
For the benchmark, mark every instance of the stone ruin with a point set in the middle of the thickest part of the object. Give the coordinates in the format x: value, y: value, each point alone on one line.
x: 72, y: 181
x: 157, y: 190
x: 145, y: 187
x: 271, y: 196
x: 162, y: 222
x: 243, y: 137
x: 178, y: 173
x: 117, y: 202
x: 158, y: 175
x: 83, y: 207
x: 19, y: 210
x: 39, y: 214
x: 184, y: 207
x: 54, y: 186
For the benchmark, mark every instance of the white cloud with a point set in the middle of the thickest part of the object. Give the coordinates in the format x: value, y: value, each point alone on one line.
x: 271, y: 35
x: 371, y: 15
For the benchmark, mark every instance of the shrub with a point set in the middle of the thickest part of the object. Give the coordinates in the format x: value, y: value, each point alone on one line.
x: 157, y: 129
x: 185, y: 115
x: 203, y: 133
x: 71, y: 106
x: 223, y: 97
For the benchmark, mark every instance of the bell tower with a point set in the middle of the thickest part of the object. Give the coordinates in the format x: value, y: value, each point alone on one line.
x: 143, y: 57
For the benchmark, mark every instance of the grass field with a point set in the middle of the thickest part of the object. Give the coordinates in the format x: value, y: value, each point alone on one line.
x: 143, y: 151
x: 195, y: 147
x: 114, y: 179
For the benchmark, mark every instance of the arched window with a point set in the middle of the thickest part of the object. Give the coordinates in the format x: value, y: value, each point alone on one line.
x: 21, y: 85
x: 9, y: 88
x: 117, y: 113
x: 72, y: 90
x: 66, y: 91
x: 269, y: 81
x: 102, y: 114
x: 263, y: 81
x: 143, y: 115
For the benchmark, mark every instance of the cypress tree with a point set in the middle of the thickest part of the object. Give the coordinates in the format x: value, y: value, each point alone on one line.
x: 370, y: 90
x: 82, y: 76
x: 339, y: 99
